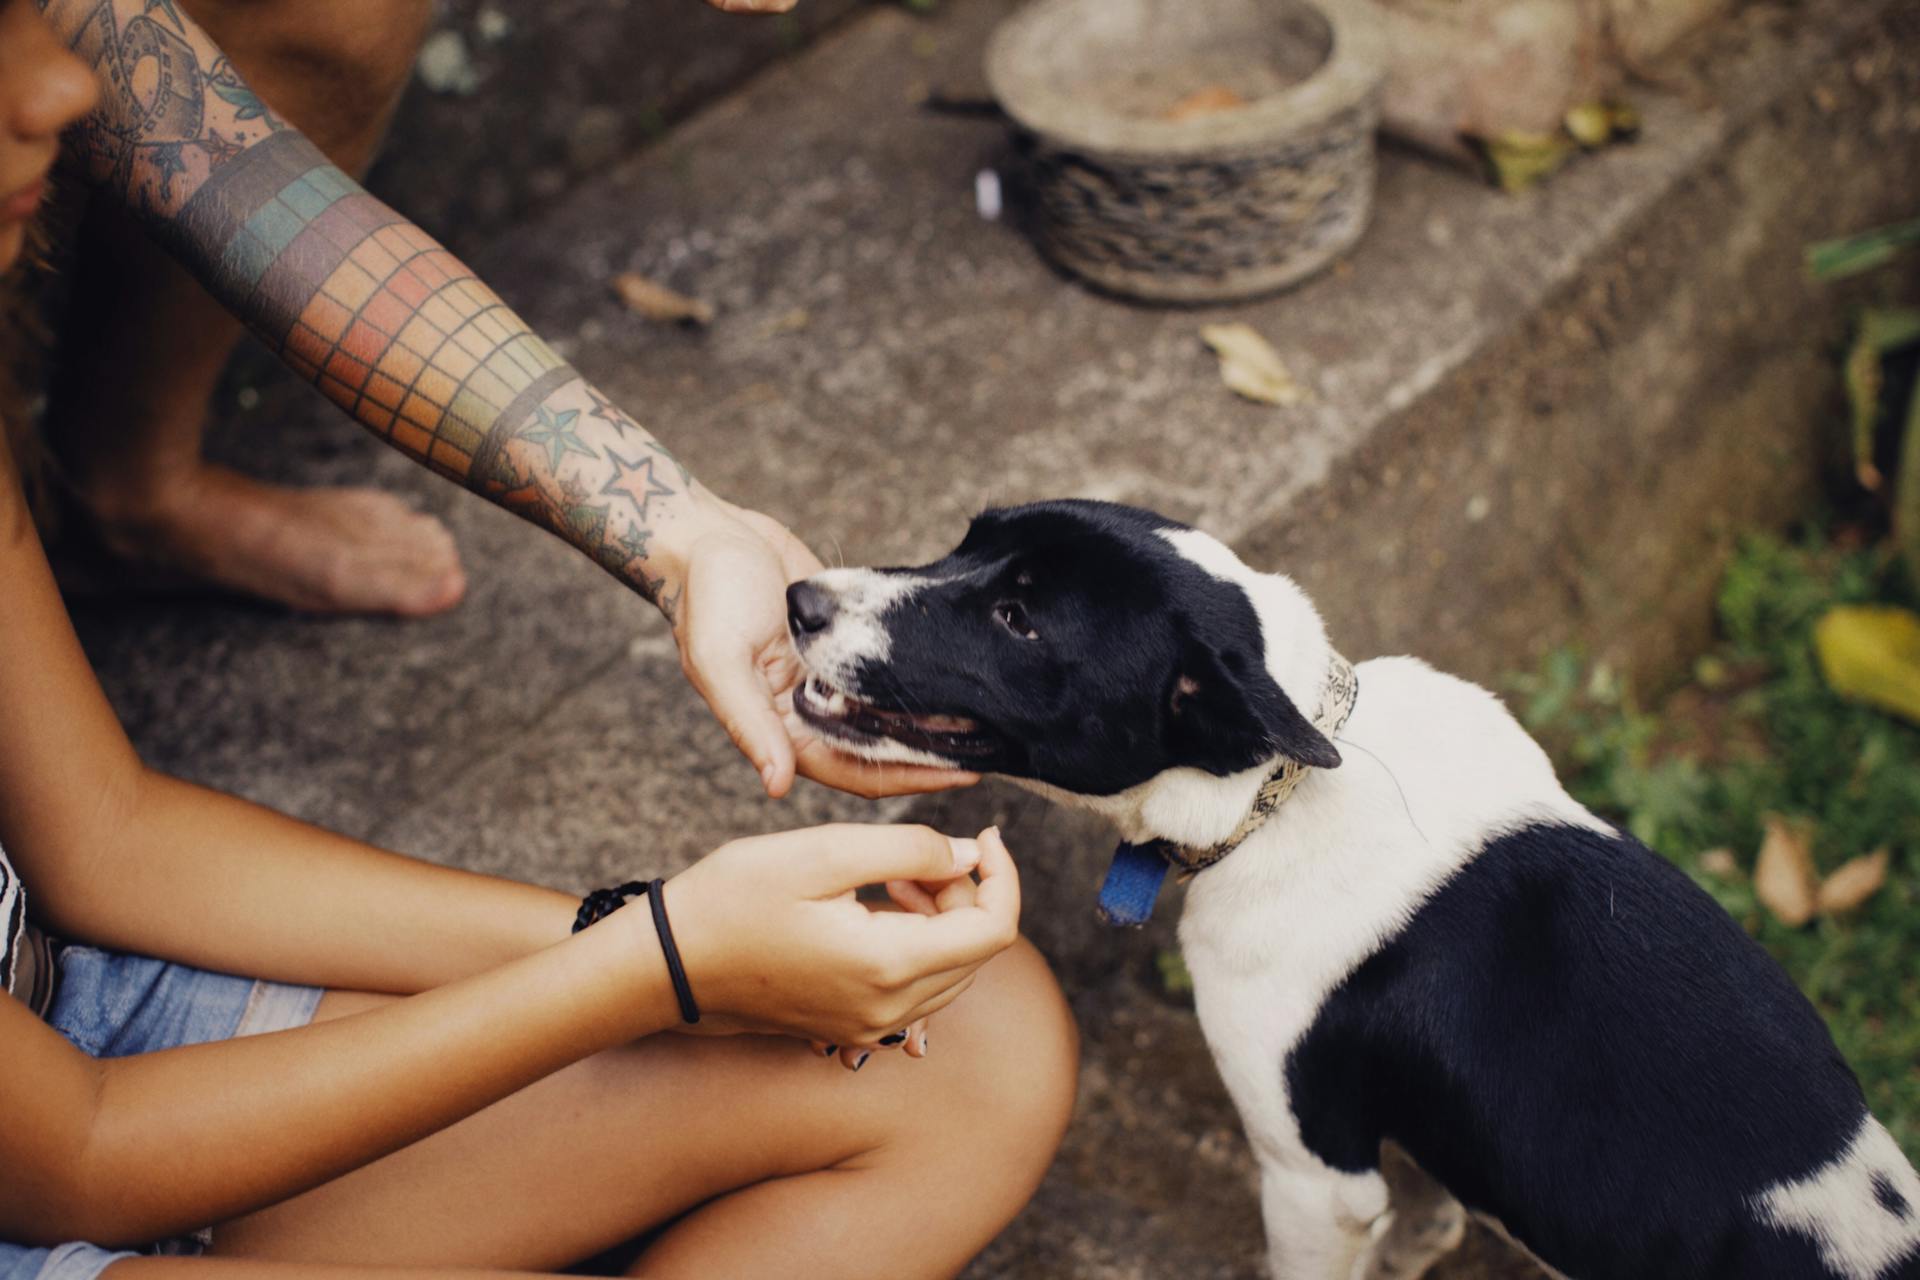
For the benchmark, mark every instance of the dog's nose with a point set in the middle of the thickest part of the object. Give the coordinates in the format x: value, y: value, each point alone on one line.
x: 809, y: 608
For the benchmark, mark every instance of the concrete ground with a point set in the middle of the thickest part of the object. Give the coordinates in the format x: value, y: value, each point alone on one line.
x: 1531, y: 420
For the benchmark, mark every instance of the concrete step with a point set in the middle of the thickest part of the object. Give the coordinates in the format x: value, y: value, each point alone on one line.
x: 1532, y: 420
x: 523, y: 100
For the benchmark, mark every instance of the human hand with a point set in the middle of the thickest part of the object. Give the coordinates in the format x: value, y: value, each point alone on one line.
x: 736, y: 650
x: 927, y: 898
x: 774, y: 940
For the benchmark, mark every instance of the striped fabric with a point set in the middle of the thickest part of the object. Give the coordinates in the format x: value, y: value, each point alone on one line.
x: 26, y: 958
x: 13, y: 920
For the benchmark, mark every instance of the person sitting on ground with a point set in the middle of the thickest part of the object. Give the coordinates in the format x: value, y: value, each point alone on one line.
x: 423, y: 1068
x: 400, y: 334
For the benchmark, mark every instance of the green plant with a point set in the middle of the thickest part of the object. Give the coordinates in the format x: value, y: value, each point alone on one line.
x: 1880, y: 382
x: 1172, y: 968
x: 1851, y: 255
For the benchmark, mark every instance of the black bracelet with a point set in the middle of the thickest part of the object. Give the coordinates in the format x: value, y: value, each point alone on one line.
x: 602, y: 903
x: 689, y: 1011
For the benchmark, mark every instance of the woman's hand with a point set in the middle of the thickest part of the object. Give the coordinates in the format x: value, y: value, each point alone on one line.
x: 774, y: 940
x: 731, y: 625
x: 927, y: 898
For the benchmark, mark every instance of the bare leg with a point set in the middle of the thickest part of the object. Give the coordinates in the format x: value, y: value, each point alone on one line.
x: 781, y: 1162
x: 253, y: 1269
x: 131, y: 406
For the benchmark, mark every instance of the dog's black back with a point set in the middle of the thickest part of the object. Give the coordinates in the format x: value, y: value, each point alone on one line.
x: 1535, y: 1039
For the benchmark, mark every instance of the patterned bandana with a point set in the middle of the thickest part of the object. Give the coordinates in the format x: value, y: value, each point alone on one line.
x: 1138, y: 870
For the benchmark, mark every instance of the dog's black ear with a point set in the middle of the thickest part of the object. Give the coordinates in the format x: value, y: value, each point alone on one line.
x: 1224, y: 720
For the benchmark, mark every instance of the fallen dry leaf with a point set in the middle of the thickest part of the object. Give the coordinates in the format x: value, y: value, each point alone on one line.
x: 1783, y: 877
x: 1211, y: 100
x: 1518, y: 160
x: 657, y: 302
x: 792, y: 322
x: 1250, y: 366
x: 1721, y: 864
x: 1871, y: 654
x: 1855, y: 881
x: 1590, y: 123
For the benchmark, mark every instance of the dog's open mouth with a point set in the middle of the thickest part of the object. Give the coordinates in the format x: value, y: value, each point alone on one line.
x: 854, y: 721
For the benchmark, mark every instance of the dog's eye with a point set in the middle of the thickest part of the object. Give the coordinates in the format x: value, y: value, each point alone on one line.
x: 1011, y: 615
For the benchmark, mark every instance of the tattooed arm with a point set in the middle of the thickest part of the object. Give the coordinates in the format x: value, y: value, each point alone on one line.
x: 403, y: 336
x: 358, y: 301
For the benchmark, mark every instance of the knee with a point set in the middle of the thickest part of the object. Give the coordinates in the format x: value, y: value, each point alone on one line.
x: 1021, y: 1051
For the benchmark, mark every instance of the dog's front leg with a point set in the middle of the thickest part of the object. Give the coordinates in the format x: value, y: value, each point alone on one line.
x: 1317, y: 1221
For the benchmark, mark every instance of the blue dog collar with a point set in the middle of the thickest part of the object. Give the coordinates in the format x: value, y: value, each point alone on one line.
x: 1133, y: 884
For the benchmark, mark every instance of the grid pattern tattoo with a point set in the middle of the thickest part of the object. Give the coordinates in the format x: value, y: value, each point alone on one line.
x: 398, y: 333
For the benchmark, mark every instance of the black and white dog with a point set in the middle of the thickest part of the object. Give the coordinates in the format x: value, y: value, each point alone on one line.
x: 1419, y: 963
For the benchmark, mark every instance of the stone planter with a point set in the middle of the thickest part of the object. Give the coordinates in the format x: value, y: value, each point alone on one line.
x: 1225, y: 204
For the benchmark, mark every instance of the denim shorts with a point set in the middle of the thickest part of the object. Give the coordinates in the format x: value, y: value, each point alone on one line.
x: 110, y: 1006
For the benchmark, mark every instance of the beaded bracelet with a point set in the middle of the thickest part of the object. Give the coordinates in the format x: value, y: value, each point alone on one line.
x: 602, y: 903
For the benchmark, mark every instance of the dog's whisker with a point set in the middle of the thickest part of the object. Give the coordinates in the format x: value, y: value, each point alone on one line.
x: 1404, y: 805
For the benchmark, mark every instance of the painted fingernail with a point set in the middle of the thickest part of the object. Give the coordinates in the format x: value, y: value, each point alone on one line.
x: 830, y: 1050
x: 898, y: 1037
x: 861, y: 1061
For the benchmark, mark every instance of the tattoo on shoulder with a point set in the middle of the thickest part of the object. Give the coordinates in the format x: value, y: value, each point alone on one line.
x: 156, y: 132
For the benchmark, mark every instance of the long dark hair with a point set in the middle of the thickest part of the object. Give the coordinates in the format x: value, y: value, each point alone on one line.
x: 22, y: 344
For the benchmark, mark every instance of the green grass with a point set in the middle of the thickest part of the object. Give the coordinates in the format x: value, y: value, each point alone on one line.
x: 1757, y: 731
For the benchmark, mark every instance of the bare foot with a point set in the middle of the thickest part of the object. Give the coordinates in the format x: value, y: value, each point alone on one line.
x: 316, y: 550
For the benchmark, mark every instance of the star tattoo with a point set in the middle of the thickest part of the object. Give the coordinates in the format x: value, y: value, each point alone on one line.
x: 558, y: 433
x: 607, y: 411
x: 219, y: 150
x: 169, y: 162
x: 634, y: 542
x: 635, y: 482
